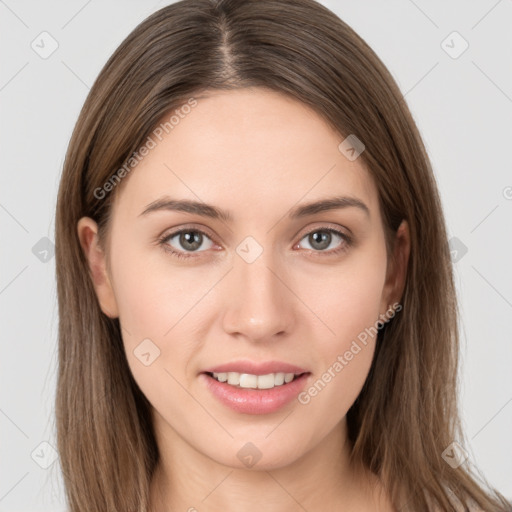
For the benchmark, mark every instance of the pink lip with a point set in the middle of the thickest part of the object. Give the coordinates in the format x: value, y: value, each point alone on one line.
x: 256, y: 368
x: 255, y: 401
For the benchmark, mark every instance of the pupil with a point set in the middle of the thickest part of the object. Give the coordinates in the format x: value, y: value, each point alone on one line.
x: 322, y: 238
x: 192, y: 238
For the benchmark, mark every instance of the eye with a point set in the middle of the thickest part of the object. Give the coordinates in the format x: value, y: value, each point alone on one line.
x: 321, y: 239
x: 186, y: 240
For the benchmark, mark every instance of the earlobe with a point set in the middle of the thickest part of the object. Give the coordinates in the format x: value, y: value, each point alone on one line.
x: 87, y: 231
x: 397, y: 268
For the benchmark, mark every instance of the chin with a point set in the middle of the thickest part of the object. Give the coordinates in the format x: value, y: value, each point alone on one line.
x: 259, y: 454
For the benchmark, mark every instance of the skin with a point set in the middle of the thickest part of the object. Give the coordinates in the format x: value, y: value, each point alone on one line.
x: 256, y: 153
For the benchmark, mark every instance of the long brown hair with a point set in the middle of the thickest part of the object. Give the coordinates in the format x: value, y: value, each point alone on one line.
x: 407, y: 413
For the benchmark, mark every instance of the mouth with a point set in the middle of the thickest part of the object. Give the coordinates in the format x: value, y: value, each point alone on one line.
x: 249, y: 393
x: 252, y: 381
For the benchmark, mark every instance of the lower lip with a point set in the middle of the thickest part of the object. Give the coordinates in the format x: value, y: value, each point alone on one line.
x: 255, y: 401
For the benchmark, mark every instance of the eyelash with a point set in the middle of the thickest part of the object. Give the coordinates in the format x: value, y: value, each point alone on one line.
x: 162, y: 241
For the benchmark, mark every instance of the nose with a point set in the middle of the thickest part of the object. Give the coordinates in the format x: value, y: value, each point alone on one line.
x: 260, y: 305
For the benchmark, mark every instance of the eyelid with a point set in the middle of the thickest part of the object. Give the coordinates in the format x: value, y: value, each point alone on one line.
x: 319, y: 226
x: 168, y: 233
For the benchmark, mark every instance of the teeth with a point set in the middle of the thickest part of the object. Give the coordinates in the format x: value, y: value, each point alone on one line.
x: 247, y: 380
x: 233, y: 378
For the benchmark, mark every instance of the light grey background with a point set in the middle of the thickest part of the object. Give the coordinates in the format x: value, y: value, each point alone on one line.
x: 463, y: 107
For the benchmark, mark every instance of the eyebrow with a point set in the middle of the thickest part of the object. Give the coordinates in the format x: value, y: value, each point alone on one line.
x: 208, y: 210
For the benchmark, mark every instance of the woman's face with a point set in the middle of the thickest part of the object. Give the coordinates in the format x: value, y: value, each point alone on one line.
x: 265, y: 288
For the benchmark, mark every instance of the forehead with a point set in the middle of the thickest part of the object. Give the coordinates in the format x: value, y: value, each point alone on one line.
x: 246, y: 149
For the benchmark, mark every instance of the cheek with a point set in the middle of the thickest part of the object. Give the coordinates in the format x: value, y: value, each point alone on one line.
x: 345, y: 299
x: 160, y: 307
x: 332, y: 392
x: 153, y: 313
x: 348, y: 304
x: 152, y: 294
x: 343, y: 359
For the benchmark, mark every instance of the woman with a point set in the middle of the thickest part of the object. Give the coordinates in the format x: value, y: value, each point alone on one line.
x: 255, y: 289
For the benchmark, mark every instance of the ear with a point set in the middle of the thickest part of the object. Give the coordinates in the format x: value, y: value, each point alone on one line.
x: 88, y: 235
x: 397, y: 268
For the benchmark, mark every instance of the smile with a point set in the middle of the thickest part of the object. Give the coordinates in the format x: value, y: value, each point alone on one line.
x: 247, y: 380
x: 248, y: 393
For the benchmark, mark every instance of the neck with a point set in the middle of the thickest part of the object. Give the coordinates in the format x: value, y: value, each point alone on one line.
x: 186, y: 479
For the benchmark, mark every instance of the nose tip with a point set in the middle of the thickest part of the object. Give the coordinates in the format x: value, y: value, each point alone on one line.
x: 259, y: 305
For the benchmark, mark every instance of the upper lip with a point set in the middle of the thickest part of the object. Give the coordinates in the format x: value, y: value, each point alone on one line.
x: 255, y: 368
